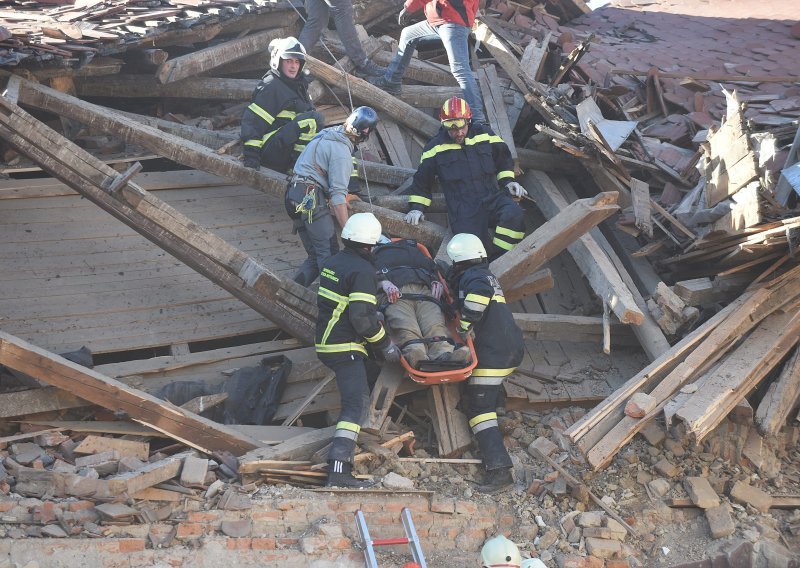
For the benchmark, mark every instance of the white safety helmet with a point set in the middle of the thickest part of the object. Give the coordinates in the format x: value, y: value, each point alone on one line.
x: 286, y: 48
x: 465, y: 246
x: 362, y: 228
x: 533, y: 563
x: 499, y: 551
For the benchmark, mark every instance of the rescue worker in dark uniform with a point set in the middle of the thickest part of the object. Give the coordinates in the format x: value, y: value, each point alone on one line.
x: 414, y: 315
x: 472, y: 163
x: 347, y: 321
x: 499, y: 347
x: 281, y: 119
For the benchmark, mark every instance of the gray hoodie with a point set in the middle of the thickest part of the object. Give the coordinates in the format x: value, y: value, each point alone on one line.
x: 328, y: 160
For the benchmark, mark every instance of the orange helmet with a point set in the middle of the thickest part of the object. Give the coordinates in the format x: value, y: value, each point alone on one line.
x: 455, y: 108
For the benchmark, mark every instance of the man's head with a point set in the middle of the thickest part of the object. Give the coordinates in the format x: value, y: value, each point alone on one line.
x: 500, y: 552
x: 360, y: 124
x: 287, y: 56
x: 362, y: 231
x: 456, y: 117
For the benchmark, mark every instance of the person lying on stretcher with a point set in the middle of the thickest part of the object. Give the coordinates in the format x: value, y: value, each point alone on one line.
x: 413, y: 311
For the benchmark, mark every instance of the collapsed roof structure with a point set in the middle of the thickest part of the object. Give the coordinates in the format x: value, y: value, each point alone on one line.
x: 657, y: 285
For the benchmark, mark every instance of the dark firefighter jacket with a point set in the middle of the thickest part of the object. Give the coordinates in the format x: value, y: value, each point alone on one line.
x: 499, y: 343
x: 469, y: 174
x: 347, y: 306
x: 402, y: 262
x: 269, y: 131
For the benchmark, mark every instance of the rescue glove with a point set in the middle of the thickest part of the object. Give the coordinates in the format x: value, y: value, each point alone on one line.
x: 465, y: 333
x: 436, y: 289
x: 516, y: 190
x: 252, y: 162
x: 402, y: 18
x: 318, y: 117
x: 392, y: 292
x: 414, y: 216
x: 391, y: 353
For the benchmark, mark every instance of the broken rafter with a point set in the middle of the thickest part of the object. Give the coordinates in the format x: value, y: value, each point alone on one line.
x: 184, y: 426
x: 288, y: 304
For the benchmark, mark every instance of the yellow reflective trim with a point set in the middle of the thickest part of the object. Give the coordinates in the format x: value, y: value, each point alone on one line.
x: 378, y: 336
x: 419, y: 199
x: 485, y: 137
x: 299, y: 147
x: 493, y: 372
x: 505, y: 174
x: 341, y: 304
x: 256, y: 143
x: 437, y: 149
x: 509, y: 233
x: 499, y: 299
x: 502, y: 244
x: 477, y: 298
x: 267, y: 117
x: 482, y: 418
x: 362, y: 297
x: 288, y: 114
x: 340, y: 348
x: 464, y: 324
x: 353, y: 427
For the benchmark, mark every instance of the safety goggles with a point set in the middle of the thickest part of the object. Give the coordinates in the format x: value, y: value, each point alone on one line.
x: 455, y: 123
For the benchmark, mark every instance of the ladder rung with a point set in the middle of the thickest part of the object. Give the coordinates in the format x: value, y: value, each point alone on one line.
x: 390, y: 541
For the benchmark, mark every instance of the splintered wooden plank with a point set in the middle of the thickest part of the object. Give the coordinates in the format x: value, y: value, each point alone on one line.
x: 640, y: 194
x: 532, y: 62
x: 34, y: 401
x: 452, y: 431
x: 382, y: 396
x: 495, y: 107
x: 97, y: 444
x: 395, y: 143
x: 553, y: 237
x: 402, y: 112
x: 782, y: 397
x: 188, y: 428
x: 209, y: 58
x: 739, y: 373
x: 595, y: 264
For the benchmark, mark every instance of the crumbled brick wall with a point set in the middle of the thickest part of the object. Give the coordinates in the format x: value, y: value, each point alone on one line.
x: 296, y: 531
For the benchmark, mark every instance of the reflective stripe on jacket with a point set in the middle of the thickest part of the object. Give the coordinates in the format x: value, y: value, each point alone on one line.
x: 275, y: 102
x: 468, y: 174
x: 499, y: 344
x: 347, y: 306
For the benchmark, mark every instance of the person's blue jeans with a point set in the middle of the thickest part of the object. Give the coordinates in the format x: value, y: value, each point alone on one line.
x: 455, y: 39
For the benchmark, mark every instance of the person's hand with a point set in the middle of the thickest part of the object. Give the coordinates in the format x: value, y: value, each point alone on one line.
x: 414, y: 216
x: 252, y: 162
x: 402, y: 18
x: 392, y: 292
x: 436, y: 289
x: 391, y: 353
x: 516, y: 190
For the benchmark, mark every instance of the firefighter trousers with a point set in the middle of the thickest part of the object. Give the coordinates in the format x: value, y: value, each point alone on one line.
x: 482, y: 401
x: 352, y: 371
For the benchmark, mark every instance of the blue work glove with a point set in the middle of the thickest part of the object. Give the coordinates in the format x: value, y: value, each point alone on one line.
x: 391, y: 353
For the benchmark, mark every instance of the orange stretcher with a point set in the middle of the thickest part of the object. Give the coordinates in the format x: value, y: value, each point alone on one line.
x: 452, y: 317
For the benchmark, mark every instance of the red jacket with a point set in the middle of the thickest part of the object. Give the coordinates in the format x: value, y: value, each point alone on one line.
x: 439, y: 12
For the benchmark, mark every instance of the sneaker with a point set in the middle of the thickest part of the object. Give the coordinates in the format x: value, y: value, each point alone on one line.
x: 389, y: 87
x: 369, y: 69
x: 496, y: 481
x: 340, y: 475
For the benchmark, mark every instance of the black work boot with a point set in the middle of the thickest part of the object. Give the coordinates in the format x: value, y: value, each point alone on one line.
x: 340, y: 475
x: 496, y: 481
